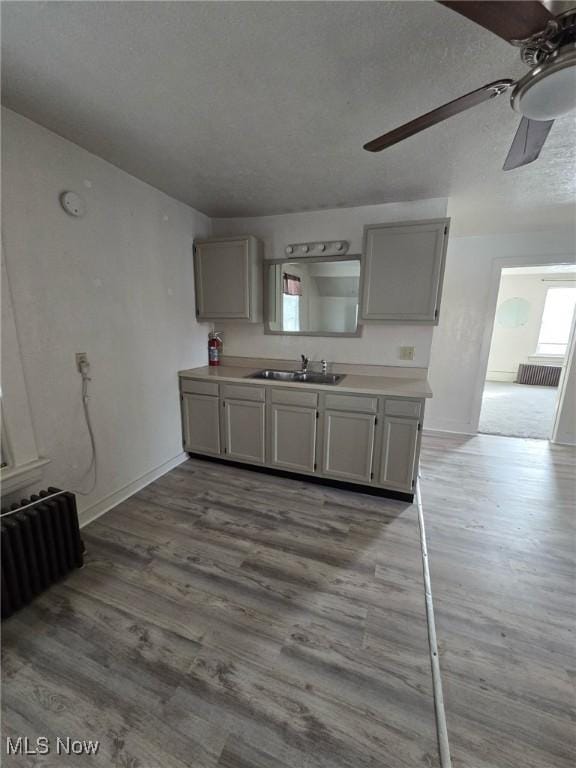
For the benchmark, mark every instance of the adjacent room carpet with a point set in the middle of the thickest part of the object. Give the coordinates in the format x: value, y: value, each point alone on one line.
x: 517, y: 410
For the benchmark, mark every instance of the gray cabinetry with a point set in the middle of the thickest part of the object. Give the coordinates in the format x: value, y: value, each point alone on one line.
x: 243, y: 410
x: 348, y: 445
x: 200, y: 423
x: 402, y: 271
x: 228, y: 278
x: 400, y: 442
x: 342, y: 435
x: 293, y: 437
x: 292, y: 429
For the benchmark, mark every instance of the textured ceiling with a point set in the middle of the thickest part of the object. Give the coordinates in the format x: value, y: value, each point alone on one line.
x: 253, y: 108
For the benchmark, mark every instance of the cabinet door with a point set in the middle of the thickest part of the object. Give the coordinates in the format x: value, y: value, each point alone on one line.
x: 400, y: 443
x: 293, y: 437
x: 403, y: 268
x: 222, y: 274
x: 348, y: 445
x: 244, y: 430
x: 200, y: 422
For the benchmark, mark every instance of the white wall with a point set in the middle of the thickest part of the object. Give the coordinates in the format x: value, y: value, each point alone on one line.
x: 379, y: 343
x: 511, y: 346
x: 461, y: 342
x: 117, y: 284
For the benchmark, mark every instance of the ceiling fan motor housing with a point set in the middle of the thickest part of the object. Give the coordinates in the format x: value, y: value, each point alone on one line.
x: 548, y: 91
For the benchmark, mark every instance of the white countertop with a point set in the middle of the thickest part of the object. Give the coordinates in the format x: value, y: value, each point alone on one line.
x: 391, y: 386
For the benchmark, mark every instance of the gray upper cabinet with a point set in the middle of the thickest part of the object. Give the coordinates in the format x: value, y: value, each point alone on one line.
x: 201, y: 423
x: 399, y: 451
x: 402, y: 271
x: 228, y: 278
x: 348, y: 445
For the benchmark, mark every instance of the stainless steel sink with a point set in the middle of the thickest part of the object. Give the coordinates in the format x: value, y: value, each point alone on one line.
x: 304, y: 377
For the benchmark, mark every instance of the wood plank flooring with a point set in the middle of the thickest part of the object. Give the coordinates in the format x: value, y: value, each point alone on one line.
x: 500, y: 522
x: 228, y: 619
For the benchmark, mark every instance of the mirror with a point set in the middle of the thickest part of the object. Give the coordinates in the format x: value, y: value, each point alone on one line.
x: 313, y: 296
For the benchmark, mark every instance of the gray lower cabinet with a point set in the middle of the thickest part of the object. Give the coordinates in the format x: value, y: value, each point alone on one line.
x: 399, y: 449
x: 244, y: 435
x: 348, y: 445
x: 343, y: 435
x: 293, y: 437
x: 201, y: 423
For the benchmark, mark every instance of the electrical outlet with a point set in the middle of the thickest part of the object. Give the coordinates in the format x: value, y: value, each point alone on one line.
x: 81, y: 360
x: 406, y: 353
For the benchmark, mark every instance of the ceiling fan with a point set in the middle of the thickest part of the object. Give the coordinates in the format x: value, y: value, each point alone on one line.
x: 547, y: 45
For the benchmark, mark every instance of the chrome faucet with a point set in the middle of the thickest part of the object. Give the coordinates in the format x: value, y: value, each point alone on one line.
x: 305, y: 362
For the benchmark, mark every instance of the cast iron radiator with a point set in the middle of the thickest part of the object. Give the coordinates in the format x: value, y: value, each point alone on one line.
x: 544, y: 375
x: 41, y: 543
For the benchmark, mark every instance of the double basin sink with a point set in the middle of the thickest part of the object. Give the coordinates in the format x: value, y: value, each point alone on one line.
x: 301, y: 377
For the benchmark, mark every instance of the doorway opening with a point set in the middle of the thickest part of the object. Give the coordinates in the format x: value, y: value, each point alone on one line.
x: 528, y: 351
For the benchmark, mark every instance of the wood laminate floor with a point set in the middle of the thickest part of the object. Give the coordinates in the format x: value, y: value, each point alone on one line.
x: 229, y: 619
x: 500, y: 522
x: 235, y: 620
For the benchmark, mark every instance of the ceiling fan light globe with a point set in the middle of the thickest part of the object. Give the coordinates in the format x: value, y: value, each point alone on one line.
x: 549, y: 90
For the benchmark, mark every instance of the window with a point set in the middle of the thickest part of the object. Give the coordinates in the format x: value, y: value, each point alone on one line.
x: 556, y: 321
x: 291, y: 291
x: 21, y: 465
x: 291, y: 313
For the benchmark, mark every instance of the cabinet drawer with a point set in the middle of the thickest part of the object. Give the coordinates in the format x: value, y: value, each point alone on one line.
x: 192, y: 387
x: 402, y: 408
x: 241, y: 392
x: 351, y: 403
x: 291, y: 397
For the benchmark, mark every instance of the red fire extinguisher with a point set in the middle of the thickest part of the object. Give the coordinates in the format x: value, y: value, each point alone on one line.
x: 214, y: 348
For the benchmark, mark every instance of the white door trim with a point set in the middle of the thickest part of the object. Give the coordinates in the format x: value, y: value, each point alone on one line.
x: 570, y: 362
x: 497, y: 265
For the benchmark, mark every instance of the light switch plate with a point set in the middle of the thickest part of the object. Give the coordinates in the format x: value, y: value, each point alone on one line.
x: 406, y: 353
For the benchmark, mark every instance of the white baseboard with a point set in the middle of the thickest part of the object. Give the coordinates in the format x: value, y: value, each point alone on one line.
x: 569, y: 443
x: 501, y: 376
x: 447, y: 433
x: 108, y: 502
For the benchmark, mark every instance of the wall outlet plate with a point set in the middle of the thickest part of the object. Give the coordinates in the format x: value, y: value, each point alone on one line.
x: 81, y: 360
x: 406, y: 353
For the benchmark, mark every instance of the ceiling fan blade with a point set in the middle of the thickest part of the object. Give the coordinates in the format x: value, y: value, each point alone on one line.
x: 509, y: 19
x: 485, y: 93
x: 527, y: 143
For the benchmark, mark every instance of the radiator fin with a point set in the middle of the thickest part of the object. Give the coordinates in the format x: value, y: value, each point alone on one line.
x: 40, y: 545
x: 542, y: 375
